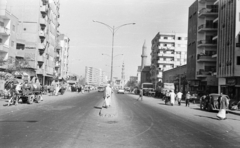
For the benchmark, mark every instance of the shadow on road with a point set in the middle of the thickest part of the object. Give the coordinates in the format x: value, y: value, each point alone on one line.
x: 97, y: 107
x: 30, y: 121
x: 214, y: 118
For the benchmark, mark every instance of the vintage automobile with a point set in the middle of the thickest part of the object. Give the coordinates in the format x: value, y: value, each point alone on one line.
x: 210, y: 102
x: 120, y: 91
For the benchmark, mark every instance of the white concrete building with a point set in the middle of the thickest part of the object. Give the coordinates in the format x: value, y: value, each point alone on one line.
x: 169, y: 50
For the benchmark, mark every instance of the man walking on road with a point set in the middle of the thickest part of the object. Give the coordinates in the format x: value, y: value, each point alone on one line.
x: 107, y: 95
x: 223, y: 103
x: 140, y: 94
x: 179, y: 97
x: 188, y: 99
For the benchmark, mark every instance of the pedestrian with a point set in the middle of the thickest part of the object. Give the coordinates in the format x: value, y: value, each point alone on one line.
x: 188, y: 96
x: 179, y: 97
x: 140, y: 94
x: 172, y: 97
x: 107, y: 95
x: 223, y: 102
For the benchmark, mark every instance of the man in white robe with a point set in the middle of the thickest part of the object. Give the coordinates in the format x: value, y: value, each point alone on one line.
x: 107, y: 95
x: 172, y: 97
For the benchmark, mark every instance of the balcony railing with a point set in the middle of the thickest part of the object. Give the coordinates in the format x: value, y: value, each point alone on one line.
x: 40, y: 59
x: 207, y: 43
x: 41, y: 34
x: 205, y: 27
x: 3, y: 48
x: 4, y: 31
x: 208, y: 12
x: 43, y: 21
x: 205, y: 73
x: 205, y: 58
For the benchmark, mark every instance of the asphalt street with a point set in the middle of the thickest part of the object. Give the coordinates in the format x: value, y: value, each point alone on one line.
x: 73, y: 121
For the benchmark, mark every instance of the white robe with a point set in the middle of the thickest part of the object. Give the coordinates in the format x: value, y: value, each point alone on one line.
x: 107, y: 95
x: 172, y: 97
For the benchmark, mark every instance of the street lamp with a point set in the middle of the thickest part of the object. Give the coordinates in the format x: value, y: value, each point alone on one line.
x: 113, y: 30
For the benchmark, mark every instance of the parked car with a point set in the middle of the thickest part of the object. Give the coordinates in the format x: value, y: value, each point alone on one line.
x: 210, y: 102
x: 120, y: 91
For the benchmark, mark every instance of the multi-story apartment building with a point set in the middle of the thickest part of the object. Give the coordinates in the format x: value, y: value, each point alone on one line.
x: 169, y: 50
x: 39, y: 21
x: 95, y: 76
x: 61, y: 58
x: 202, y: 46
x: 228, y: 47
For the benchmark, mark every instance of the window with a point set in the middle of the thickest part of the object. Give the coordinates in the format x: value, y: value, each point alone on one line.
x: 13, y: 28
x: 1, y: 24
x: 179, y: 38
x: 238, y: 60
x: 0, y: 40
x: 12, y: 43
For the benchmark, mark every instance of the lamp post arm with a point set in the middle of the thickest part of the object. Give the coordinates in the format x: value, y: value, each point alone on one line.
x: 109, y: 27
x: 116, y: 29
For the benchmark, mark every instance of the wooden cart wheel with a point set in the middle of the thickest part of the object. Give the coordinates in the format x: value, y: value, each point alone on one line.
x: 30, y: 99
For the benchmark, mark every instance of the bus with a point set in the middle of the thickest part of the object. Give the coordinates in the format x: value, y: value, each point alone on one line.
x: 147, y: 87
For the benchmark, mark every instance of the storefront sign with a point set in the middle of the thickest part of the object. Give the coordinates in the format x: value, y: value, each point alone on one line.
x: 231, y: 81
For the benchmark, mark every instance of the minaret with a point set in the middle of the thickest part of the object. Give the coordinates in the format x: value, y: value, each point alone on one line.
x: 144, y: 55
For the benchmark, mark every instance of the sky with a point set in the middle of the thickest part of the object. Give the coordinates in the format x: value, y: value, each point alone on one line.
x: 89, y: 40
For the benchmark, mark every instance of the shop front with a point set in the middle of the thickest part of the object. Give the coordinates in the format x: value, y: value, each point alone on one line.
x: 231, y: 88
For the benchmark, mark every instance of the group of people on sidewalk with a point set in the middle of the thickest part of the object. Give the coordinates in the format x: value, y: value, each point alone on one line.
x: 223, y: 102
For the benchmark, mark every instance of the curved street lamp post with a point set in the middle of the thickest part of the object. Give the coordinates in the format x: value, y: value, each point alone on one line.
x: 113, y: 30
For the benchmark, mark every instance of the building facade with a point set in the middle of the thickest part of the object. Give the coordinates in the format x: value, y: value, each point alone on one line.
x: 202, y: 46
x: 168, y: 51
x: 95, y: 76
x: 62, y: 56
x: 228, y: 47
x: 178, y: 77
x: 37, y: 33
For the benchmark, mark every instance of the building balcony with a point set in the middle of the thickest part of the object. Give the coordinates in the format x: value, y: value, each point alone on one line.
x: 205, y: 28
x: 40, y: 59
x: 20, y: 53
x: 166, y: 48
x: 216, y: 2
x: 207, y: 12
x: 3, y: 48
x: 43, y: 21
x: 207, y: 43
x: 4, y: 31
x: 202, y: 73
x: 3, y: 12
x: 43, y: 9
x: 166, y: 55
x: 215, y: 37
x: 3, y: 66
x: 215, y: 20
x: 41, y: 34
x: 167, y: 40
x: 41, y: 46
x: 205, y: 1
x: 40, y: 71
x: 166, y: 62
x: 45, y: 2
x: 205, y: 58
x: 57, y: 64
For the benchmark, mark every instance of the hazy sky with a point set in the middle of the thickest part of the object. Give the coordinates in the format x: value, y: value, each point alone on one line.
x: 88, y: 40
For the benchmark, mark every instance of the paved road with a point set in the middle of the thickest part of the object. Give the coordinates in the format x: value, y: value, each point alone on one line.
x: 73, y: 121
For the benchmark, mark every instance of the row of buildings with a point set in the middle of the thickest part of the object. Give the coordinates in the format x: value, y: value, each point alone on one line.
x: 209, y: 60
x: 97, y: 77
x: 29, y: 30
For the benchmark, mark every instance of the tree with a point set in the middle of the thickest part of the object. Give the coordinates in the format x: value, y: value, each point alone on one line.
x: 15, y: 65
x: 132, y: 84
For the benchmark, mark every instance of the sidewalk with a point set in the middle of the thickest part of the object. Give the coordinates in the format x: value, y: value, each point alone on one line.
x: 110, y: 112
